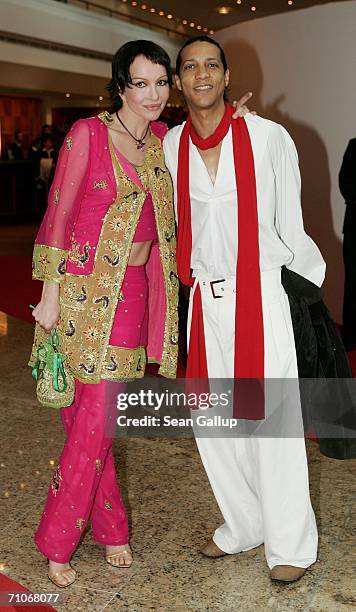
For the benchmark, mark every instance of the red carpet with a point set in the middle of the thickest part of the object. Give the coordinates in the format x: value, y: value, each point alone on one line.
x: 18, y: 289
x: 7, y: 585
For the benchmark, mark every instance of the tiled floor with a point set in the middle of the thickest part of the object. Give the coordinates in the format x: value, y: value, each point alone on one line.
x: 171, y: 511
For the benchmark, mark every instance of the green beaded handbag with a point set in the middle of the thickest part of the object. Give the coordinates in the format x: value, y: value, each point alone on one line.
x: 55, y: 384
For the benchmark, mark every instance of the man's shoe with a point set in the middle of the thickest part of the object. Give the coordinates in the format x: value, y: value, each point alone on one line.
x: 210, y: 549
x: 286, y: 573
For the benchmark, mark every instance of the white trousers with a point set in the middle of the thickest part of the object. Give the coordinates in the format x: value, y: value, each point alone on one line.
x: 260, y: 483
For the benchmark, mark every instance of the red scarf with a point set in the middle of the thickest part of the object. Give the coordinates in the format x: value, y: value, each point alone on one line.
x: 249, y: 339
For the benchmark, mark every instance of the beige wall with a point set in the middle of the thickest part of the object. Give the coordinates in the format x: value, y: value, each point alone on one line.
x: 70, y: 25
x: 301, y: 67
x: 49, y: 74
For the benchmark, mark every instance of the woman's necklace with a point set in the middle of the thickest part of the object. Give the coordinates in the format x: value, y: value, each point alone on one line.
x: 140, y: 142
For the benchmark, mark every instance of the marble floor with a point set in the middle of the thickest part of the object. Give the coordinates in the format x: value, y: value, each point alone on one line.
x: 171, y: 510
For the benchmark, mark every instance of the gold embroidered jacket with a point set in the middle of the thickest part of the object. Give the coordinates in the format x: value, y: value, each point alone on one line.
x: 84, y: 244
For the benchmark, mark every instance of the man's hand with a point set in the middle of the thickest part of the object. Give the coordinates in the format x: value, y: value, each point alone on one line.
x: 240, y: 106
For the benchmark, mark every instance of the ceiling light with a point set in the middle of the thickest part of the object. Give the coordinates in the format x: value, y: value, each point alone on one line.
x: 253, y: 8
x: 205, y: 29
x: 161, y: 13
x: 238, y: 1
x: 211, y: 31
x: 134, y: 3
x: 199, y: 27
x: 101, y: 98
x: 224, y: 10
x: 169, y: 16
x: 152, y: 10
x: 67, y: 95
x: 290, y: 2
x: 184, y: 22
x: 143, y: 6
x: 192, y: 24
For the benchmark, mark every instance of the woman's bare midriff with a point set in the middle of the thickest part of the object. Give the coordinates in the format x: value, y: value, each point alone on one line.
x: 140, y: 252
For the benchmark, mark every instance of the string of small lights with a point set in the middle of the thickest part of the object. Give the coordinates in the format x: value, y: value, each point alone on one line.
x: 225, y: 10
x: 167, y: 15
x: 222, y: 10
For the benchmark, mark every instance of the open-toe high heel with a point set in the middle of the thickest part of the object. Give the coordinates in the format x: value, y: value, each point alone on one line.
x: 121, y: 558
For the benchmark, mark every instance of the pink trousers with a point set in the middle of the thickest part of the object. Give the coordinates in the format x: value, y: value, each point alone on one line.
x: 84, y: 486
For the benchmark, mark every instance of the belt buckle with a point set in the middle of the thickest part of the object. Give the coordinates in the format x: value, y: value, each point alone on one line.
x: 212, y: 283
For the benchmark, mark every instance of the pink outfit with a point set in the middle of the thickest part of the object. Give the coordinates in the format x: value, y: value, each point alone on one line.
x: 84, y: 486
x: 146, y: 227
x: 80, y: 196
x: 130, y: 325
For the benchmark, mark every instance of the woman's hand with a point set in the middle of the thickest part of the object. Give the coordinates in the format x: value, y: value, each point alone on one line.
x: 241, y: 108
x: 46, y: 312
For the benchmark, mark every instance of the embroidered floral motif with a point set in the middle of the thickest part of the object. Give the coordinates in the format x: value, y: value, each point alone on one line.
x: 117, y: 224
x: 88, y: 355
x: 107, y: 504
x: 97, y: 465
x: 100, y: 184
x: 91, y: 333
x: 104, y: 280
x: 143, y: 176
x: 79, y: 523
x: 56, y: 481
x: 56, y: 195
x: 44, y: 261
x: 69, y: 142
x: 48, y: 263
x: 79, y: 254
x: 126, y: 182
x: 155, y: 150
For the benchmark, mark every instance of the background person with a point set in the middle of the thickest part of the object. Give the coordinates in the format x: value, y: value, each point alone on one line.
x: 347, y: 184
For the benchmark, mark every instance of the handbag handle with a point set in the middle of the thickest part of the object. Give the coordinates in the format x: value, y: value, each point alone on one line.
x: 48, y: 355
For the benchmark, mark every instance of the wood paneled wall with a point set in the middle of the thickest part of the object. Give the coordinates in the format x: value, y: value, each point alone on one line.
x: 19, y: 113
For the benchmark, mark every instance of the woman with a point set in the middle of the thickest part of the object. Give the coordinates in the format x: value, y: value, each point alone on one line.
x: 106, y: 253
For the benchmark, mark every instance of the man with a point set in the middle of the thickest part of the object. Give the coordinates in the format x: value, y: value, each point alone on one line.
x: 15, y: 149
x: 347, y: 183
x: 239, y: 220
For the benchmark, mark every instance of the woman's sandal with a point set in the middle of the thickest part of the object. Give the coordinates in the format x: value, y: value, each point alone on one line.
x: 54, y: 577
x: 125, y: 552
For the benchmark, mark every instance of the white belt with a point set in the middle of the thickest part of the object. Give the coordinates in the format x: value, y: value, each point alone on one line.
x: 219, y: 288
x: 224, y: 287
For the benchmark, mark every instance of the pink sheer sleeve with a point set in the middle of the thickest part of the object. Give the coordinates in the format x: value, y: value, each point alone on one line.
x: 53, y: 239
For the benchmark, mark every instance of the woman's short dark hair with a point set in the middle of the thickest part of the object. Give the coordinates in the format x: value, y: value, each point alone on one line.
x: 122, y: 61
x: 195, y: 39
